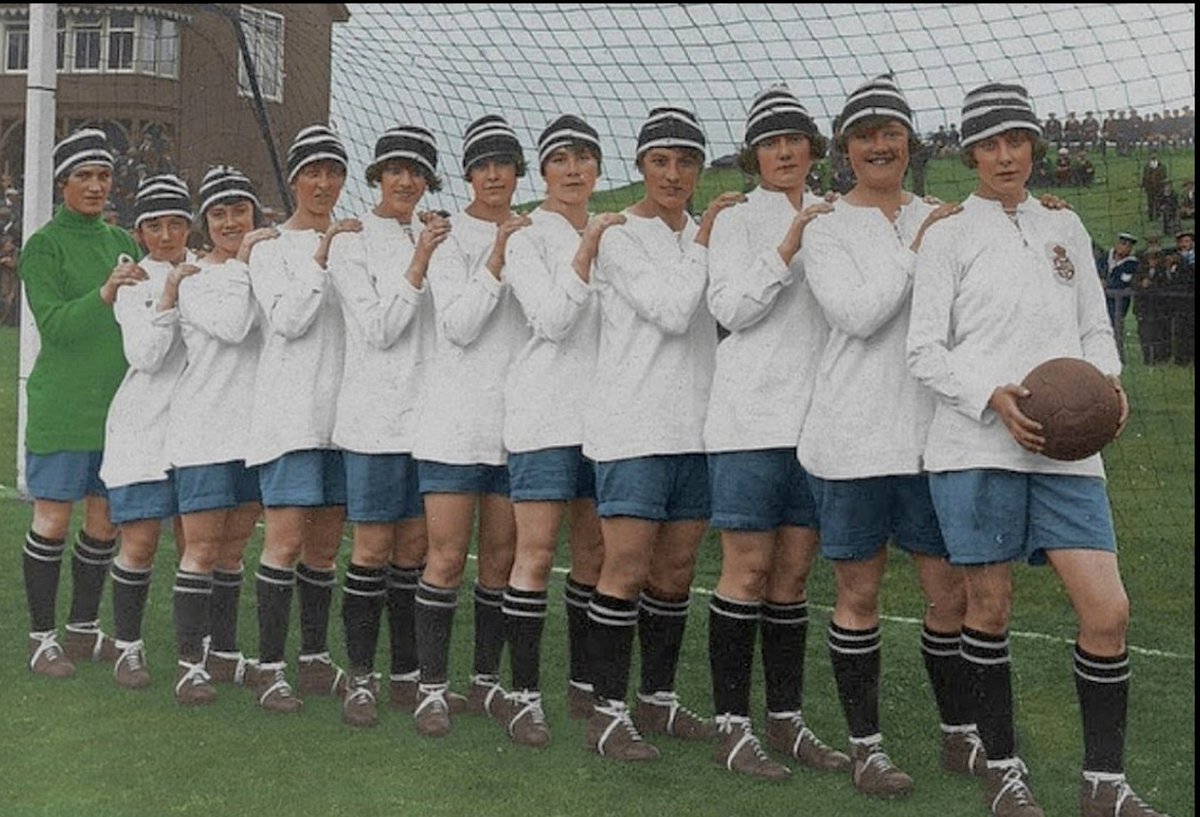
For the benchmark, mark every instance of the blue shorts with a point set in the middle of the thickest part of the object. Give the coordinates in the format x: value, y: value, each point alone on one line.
x: 382, y: 487
x: 64, y: 476
x: 216, y: 487
x: 551, y: 475
x: 314, y: 478
x: 661, y: 487
x: 859, y: 516
x: 143, y: 500
x: 760, y: 490
x: 445, y: 478
x: 993, y: 516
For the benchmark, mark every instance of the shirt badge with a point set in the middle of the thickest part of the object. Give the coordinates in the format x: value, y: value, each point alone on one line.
x: 1064, y: 268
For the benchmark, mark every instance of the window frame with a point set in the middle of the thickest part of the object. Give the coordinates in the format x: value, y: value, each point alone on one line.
x: 252, y: 20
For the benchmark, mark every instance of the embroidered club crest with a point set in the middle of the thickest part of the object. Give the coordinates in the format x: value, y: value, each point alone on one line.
x: 1063, y: 267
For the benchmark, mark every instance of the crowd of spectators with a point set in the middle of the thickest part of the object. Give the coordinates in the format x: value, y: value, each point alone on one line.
x: 1160, y: 284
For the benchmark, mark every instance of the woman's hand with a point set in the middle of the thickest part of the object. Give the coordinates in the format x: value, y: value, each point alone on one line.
x: 721, y: 202
x: 170, y: 293
x: 942, y: 211
x: 495, y: 262
x: 1025, y: 431
x: 125, y: 274
x: 345, y: 225
x: 793, y: 239
x: 252, y: 238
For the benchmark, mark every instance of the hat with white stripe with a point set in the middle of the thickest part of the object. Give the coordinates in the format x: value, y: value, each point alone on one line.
x: 489, y: 137
x: 670, y: 127
x: 86, y: 146
x: 408, y: 142
x: 775, y: 112
x: 994, y: 108
x: 160, y: 196
x: 316, y: 143
x: 224, y: 185
x: 880, y: 96
x: 566, y: 131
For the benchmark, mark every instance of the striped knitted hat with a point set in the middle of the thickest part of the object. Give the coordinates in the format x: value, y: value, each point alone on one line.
x: 880, y: 96
x: 565, y: 131
x: 670, y: 127
x: 409, y: 142
x: 223, y: 185
x: 316, y: 143
x: 487, y: 138
x: 158, y: 196
x: 995, y: 108
x: 774, y: 112
x: 87, y: 146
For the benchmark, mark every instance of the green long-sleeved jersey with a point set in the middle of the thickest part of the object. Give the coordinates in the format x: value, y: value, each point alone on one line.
x: 81, y: 362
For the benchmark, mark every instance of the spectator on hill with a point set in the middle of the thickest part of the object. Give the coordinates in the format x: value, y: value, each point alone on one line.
x: 1154, y: 180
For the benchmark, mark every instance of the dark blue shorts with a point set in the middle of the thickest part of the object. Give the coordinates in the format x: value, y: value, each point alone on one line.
x: 993, y: 516
x: 143, y: 500
x: 220, y: 486
x: 64, y: 476
x: 314, y: 478
x: 760, y: 490
x: 551, y: 475
x: 660, y: 488
x: 382, y: 487
x: 446, y: 478
x: 859, y: 516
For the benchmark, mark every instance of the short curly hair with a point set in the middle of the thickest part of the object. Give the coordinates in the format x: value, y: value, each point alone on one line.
x: 873, y: 123
x: 747, y: 158
x: 433, y: 182
x: 514, y: 159
x: 1040, y: 148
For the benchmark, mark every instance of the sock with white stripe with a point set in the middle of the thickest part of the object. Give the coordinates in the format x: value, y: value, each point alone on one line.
x: 41, y: 561
x: 1102, y: 684
x: 611, y: 622
x: 129, y: 591
x: 193, y: 596
x: 364, y: 591
x: 661, y: 623
x: 942, y: 653
x: 784, y: 639
x: 856, y: 663
x: 989, y: 671
x: 434, y: 623
x: 315, y: 589
x: 732, y: 627
x: 227, y: 593
x: 89, y: 565
x: 274, y: 587
x: 524, y: 620
x: 401, y: 609
x: 577, y: 597
x: 489, y: 629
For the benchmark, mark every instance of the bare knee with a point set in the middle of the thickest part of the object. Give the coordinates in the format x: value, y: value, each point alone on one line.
x: 1102, y: 629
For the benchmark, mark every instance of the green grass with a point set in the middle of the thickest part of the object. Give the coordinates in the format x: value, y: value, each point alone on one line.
x: 84, y: 747
x: 1113, y: 203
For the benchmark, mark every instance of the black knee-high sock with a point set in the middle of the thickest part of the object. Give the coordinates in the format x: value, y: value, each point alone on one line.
x: 784, y: 640
x: 315, y: 589
x: 660, y: 636
x: 856, y: 662
x: 129, y: 591
x: 1102, y: 684
x: 401, y: 606
x: 193, y: 595
x: 227, y: 593
x: 89, y: 566
x: 274, y: 587
x: 41, y: 561
x: 524, y: 619
x: 732, y: 627
x: 611, y: 622
x: 489, y: 629
x: 577, y: 597
x: 942, y: 653
x: 990, y: 674
x: 364, y: 591
x: 435, y: 620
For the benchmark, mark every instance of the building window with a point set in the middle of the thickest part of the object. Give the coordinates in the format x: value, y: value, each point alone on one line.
x: 85, y: 30
x: 114, y: 41
x: 264, y: 40
x: 16, y: 47
x: 121, y: 28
